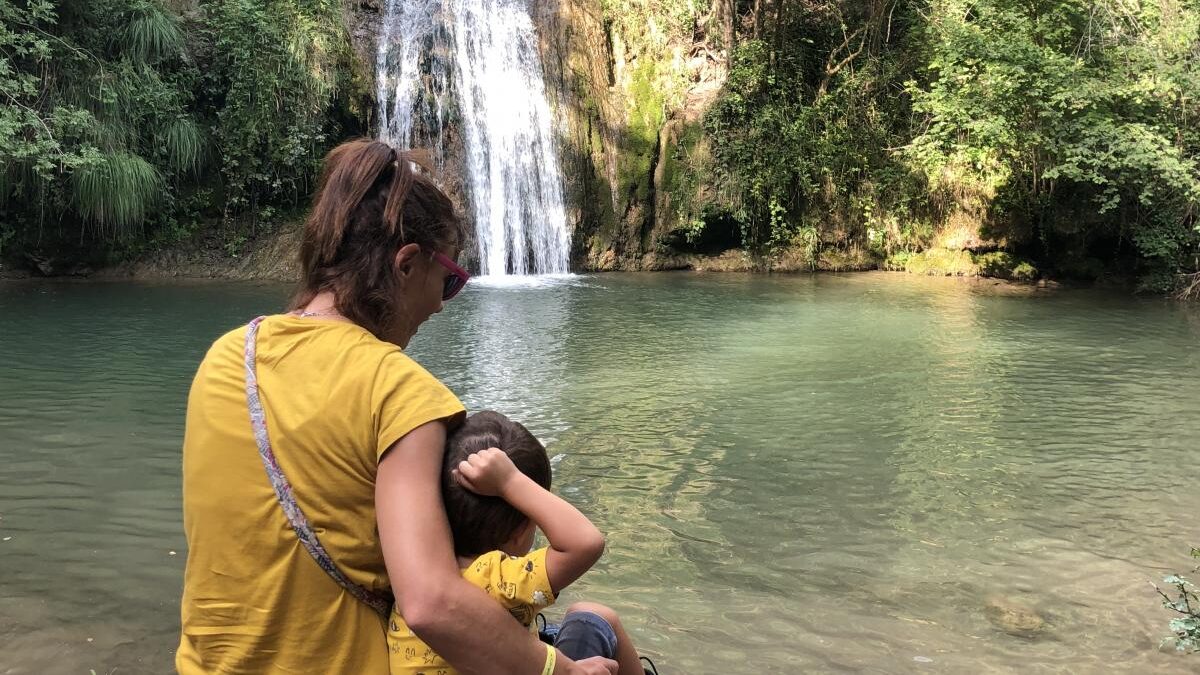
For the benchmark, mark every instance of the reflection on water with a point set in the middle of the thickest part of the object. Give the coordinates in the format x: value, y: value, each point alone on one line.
x: 867, y: 473
x: 507, y: 352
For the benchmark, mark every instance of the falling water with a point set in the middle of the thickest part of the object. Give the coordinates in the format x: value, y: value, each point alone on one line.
x: 475, y: 64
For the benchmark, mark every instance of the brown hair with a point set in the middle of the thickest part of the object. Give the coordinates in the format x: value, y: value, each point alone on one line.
x: 371, y: 202
x: 481, y: 524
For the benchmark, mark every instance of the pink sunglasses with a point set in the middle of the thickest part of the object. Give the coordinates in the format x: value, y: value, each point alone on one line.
x: 457, y: 279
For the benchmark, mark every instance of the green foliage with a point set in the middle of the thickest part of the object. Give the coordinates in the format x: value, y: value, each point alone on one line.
x: 1005, y: 265
x: 1070, y: 118
x: 183, y: 143
x: 117, y: 192
x: 1061, y: 130
x: 1185, y: 628
x: 898, y: 261
x: 121, y: 121
x: 936, y: 262
x: 806, y: 241
x: 94, y: 87
x: 6, y: 233
x: 31, y: 136
x: 1023, y: 271
x: 152, y: 33
x: 645, y: 27
x: 277, y: 69
x: 801, y: 142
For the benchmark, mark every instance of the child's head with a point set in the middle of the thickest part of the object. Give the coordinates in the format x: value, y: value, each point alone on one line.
x: 481, y: 524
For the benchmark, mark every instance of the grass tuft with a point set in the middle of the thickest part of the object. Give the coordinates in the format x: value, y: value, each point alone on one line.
x: 116, y: 193
x: 152, y: 33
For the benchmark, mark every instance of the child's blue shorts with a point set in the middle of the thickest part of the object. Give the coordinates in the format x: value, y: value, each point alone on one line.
x: 582, y: 635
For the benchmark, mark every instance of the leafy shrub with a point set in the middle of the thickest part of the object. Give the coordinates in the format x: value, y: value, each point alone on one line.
x: 87, y: 135
x: 1185, y: 628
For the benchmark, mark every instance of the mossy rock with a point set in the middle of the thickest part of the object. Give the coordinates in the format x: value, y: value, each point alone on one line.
x: 846, y: 260
x: 934, y: 262
x: 1005, y: 265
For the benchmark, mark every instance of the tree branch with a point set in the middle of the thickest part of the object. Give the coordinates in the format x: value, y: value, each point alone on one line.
x: 832, y: 68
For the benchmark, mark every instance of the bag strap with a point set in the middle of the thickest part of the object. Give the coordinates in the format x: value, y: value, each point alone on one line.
x: 283, y: 488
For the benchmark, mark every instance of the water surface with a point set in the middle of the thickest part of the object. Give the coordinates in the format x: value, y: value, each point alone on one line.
x: 871, y: 473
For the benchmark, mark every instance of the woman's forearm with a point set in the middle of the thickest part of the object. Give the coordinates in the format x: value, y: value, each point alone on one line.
x: 478, y: 637
x: 460, y: 622
x: 475, y: 634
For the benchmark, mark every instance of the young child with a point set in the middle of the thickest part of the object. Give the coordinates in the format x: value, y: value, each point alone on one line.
x: 495, y: 485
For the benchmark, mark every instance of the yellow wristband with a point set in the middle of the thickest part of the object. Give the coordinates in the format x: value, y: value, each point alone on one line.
x: 551, y: 658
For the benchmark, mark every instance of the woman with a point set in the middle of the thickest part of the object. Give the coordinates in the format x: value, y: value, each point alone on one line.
x: 313, y: 449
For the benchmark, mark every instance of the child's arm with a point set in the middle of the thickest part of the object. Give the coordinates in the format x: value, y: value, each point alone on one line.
x: 575, y: 543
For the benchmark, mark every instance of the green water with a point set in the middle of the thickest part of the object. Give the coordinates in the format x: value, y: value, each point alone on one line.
x: 801, y: 474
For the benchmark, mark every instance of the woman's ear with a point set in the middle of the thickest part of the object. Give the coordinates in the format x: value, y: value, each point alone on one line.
x: 405, y: 258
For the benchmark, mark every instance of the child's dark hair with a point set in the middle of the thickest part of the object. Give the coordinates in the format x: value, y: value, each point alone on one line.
x: 481, y: 524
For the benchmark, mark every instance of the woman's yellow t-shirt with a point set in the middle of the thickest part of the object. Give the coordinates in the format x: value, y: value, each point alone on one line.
x: 336, y: 398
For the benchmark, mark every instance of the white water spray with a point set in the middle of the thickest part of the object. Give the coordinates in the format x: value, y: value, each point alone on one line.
x: 476, y: 62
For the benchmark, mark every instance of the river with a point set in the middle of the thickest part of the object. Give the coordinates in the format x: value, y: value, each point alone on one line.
x: 870, y: 473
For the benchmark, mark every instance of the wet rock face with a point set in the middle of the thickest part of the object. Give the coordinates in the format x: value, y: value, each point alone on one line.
x: 614, y: 170
x: 363, y: 21
x: 576, y: 60
x: 630, y: 110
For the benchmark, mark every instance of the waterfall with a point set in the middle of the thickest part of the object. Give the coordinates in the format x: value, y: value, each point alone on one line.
x: 474, y: 65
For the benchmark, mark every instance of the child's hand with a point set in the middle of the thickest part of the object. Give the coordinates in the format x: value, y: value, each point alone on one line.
x: 486, y: 472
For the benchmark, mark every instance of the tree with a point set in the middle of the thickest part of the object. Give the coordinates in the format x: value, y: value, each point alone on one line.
x: 1069, y: 120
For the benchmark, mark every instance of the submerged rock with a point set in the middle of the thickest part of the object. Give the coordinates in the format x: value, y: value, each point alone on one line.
x: 1014, y: 617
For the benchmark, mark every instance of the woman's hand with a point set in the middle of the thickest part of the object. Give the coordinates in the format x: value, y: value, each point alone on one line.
x: 596, y: 665
x: 487, y: 472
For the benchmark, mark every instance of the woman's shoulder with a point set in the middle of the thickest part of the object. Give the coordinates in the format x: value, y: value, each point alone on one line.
x: 398, y: 376
x: 230, y: 345
x: 330, y: 341
x: 335, y: 353
x: 405, y: 396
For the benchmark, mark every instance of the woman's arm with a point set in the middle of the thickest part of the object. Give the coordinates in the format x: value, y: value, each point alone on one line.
x: 459, y: 621
x: 575, y: 543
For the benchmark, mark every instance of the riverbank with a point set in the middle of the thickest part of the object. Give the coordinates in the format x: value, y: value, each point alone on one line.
x: 272, y: 257
x: 8, y: 271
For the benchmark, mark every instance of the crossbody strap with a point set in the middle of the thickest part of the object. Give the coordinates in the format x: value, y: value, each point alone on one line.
x: 283, y: 488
